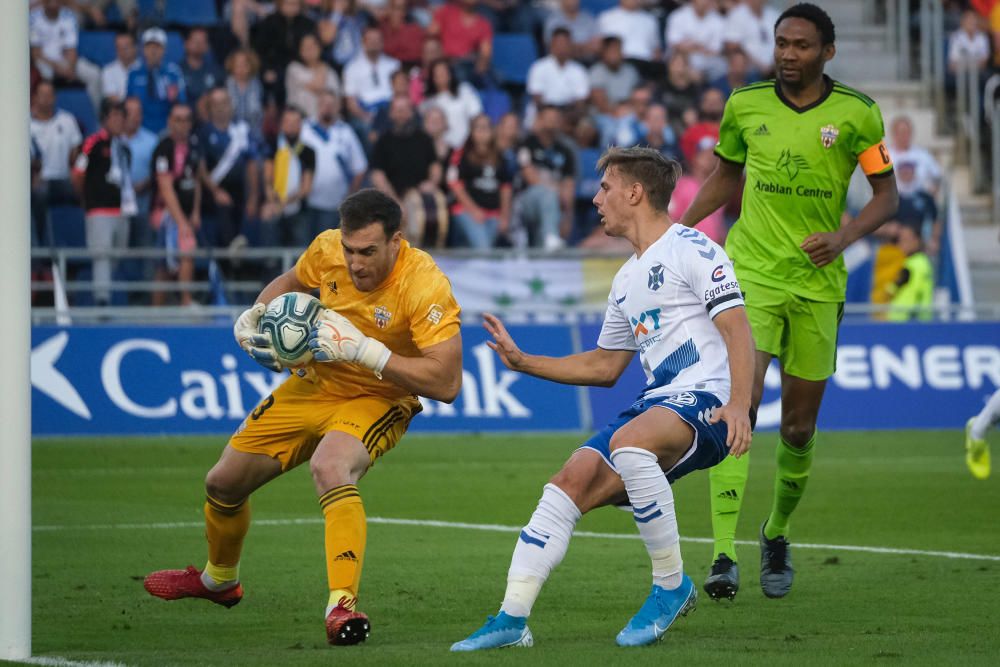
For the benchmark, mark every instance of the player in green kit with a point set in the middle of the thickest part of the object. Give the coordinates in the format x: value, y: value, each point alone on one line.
x: 798, y: 138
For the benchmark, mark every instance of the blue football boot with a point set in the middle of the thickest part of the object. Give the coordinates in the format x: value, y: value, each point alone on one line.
x: 658, y: 613
x: 498, y: 632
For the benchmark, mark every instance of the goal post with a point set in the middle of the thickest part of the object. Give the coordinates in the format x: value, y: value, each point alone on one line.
x: 15, y: 340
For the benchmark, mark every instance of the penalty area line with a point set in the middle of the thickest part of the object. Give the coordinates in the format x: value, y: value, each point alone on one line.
x: 498, y: 528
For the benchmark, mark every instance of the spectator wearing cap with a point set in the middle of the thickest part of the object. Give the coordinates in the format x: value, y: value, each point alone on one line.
x: 582, y: 28
x: 276, y: 41
x: 201, y: 72
x: 232, y: 167
x: 114, y: 75
x: 458, y: 101
x: 548, y: 172
x: 288, y: 181
x: 697, y: 29
x: 637, y: 28
x: 176, y: 215
x: 309, y: 76
x: 103, y: 179
x: 157, y: 85
x: 903, y: 150
x: 750, y: 29
x: 466, y: 37
x: 57, y: 135
x: 340, y: 163
x: 710, y: 110
x: 403, y: 37
x: 53, y: 35
x: 701, y: 166
x: 367, y: 84
x: 611, y: 79
x: 556, y: 79
x: 141, y: 144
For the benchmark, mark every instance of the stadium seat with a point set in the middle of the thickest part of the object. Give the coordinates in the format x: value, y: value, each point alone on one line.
x: 97, y: 46
x: 495, y: 103
x: 513, y: 54
x: 175, y: 48
x: 190, y: 13
x: 595, y: 7
x: 68, y: 229
x: 76, y: 101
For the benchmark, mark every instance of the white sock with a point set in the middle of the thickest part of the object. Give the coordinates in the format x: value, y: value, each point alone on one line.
x: 987, y: 418
x: 540, y: 547
x: 653, y: 507
x: 213, y: 585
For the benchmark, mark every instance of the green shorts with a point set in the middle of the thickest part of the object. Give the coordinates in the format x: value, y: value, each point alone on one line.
x: 800, y: 332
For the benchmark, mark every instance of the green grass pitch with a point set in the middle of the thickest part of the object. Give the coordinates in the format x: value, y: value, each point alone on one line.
x: 425, y: 587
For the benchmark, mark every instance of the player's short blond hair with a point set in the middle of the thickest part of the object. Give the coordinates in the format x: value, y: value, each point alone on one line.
x: 656, y: 173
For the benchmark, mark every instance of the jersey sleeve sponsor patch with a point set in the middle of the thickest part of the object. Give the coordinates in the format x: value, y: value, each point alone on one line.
x: 875, y: 159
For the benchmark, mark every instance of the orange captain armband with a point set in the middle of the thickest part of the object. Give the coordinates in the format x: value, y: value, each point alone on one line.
x: 875, y: 159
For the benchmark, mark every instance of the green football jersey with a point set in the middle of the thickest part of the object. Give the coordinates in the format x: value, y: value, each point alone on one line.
x: 798, y: 166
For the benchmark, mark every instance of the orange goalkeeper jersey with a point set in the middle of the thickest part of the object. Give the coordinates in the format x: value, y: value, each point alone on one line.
x: 411, y: 310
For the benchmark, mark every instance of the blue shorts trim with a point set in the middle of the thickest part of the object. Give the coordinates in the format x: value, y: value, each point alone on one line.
x: 708, y: 447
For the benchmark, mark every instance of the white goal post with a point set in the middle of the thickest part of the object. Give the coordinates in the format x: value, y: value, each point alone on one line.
x: 15, y: 339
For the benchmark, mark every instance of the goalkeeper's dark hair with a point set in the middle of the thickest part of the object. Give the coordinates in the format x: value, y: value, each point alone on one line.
x: 815, y: 15
x: 647, y: 166
x: 369, y: 206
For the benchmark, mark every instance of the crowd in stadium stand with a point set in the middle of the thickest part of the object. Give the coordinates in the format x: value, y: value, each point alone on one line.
x: 245, y: 123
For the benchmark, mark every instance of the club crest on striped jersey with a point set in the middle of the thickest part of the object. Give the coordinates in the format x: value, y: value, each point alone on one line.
x: 829, y: 134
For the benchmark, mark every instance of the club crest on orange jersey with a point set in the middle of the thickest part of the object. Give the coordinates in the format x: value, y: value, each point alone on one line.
x: 829, y: 134
x: 382, y: 317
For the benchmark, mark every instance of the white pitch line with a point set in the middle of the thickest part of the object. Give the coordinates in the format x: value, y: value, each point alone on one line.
x: 56, y: 661
x: 498, y: 528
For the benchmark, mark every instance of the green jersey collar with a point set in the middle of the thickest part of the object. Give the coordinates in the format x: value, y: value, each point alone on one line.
x: 797, y: 109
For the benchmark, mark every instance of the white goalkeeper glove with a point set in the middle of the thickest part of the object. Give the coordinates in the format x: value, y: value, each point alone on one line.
x: 334, y: 338
x: 254, y: 343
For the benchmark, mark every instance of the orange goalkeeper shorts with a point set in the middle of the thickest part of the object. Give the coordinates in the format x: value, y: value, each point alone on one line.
x: 288, y: 424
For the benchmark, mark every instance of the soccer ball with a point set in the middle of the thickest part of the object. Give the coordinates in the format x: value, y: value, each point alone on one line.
x: 288, y: 319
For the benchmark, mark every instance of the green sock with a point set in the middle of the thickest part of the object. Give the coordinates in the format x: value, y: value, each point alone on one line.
x: 727, y: 481
x: 789, y: 484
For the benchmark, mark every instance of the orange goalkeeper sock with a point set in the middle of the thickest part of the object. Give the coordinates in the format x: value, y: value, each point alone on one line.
x: 225, y: 528
x: 346, y: 532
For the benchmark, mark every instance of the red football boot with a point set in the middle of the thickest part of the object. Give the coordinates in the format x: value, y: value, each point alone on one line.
x: 177, y: 584
x: 346, y: 626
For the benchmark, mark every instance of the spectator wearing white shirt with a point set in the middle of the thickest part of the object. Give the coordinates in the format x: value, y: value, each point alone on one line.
x: 697, y: 29
x: 582, y: 26
x: 637, y: 29
x: 927, y: 170
x: 114, y: 75
x: 968, y: 44
x: 367, y: 84
x: 58, y: 136
x: 340, y: 163
x: 555, y: 79
x: 53, y: 35
x: 750, y: 28
x: 459, y: 102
